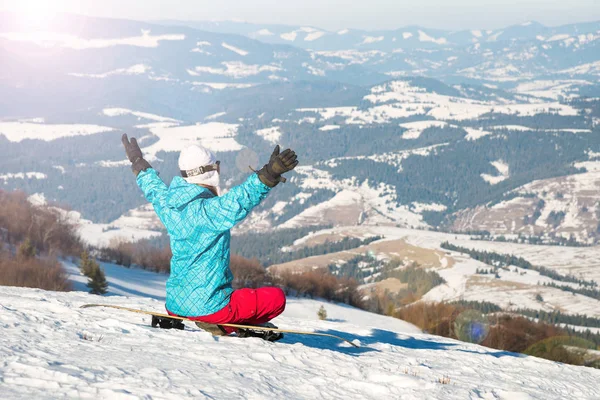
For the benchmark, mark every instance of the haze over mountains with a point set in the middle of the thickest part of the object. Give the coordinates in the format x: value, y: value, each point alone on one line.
x: 412, y: 127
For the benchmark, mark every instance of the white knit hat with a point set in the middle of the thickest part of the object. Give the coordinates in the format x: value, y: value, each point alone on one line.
x: 195, y: 156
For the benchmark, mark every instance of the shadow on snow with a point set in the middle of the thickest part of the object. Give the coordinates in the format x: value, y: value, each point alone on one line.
x: 379, y: 336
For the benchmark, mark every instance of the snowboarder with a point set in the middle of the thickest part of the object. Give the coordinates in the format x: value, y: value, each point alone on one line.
x: 198, y: 220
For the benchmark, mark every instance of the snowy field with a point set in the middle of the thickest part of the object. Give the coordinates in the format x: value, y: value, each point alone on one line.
x: 53, y: 349
x: 513, y: 288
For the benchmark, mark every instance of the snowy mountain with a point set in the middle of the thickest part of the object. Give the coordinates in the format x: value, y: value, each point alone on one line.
x: 454, y: 134
x: 52, y: 348
x: 513, y: 52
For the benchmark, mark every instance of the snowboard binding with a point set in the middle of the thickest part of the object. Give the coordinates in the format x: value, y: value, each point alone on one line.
x: 167, y: 323
x: 269, y: 336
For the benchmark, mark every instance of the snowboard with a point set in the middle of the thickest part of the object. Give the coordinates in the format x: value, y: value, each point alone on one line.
x: 237, y: 326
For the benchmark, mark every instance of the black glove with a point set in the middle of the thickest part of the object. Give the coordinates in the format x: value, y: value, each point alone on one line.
x: 278, y: 164
x: 134, y: 154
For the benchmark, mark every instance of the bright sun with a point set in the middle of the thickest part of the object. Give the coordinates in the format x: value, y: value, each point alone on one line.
x: 35, y: 13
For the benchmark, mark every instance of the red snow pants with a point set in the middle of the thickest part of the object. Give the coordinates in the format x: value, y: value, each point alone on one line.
x: 248, y: 307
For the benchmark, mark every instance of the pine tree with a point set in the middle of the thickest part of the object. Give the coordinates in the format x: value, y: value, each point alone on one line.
x: 322, y: 313
x: 86, y: 264
x: 97, y: 279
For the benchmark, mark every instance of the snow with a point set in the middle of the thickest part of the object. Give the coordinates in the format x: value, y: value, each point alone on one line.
x: 22, y: 175
x: 376, y: 202
x: 137, y: 224
x: 216, y: 136
x: 495, y: 36
x: 222, y: 86
x: 215, y: 116
x: 313, y: 36
x: 138, y: 69
x: 52, y: 349
x: 113, y: 164
x: 52, y: 39
x: 18, y: 131
x: 116, y: 112
x: 353, y: 56
x: 423, y: 37
x: 558, y: 37
x: 372, y: 39
x: 315, y: 213
x: 329, y: 128
x: 420, y: 207
x: 55, y: 349
x: 474, y: 134
x: 512, y: 290
x: 343, y: 32
x: 264, y: 32
x: 503, y: 171
x: 583, y: 69
x: 234, y: 69
x: 477, y: 33
x: 272, y: 134
x: 414, y: 129
x: 200, y: 47
x: 290, y: 36
x: 399, y: 99
x: 554, y: 89
x: 234, y: 49
x: 407, y: 35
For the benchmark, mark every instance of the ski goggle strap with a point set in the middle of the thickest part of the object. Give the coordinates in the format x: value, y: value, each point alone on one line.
x: 201, y: 170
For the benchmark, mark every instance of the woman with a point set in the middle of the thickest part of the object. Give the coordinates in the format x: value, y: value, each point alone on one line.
x: 198, y: 222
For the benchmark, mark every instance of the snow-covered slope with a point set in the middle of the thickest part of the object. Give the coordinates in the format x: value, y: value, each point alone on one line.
x: 512, y: 289
x: 53, y: 349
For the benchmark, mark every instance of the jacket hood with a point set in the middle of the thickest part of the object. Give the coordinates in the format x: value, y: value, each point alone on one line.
x: 182, y: 193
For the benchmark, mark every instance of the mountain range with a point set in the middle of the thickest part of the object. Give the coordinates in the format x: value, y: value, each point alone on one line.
x: 493, y: 131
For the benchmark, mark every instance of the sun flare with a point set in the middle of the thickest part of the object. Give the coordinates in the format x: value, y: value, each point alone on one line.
x: 35, y: 13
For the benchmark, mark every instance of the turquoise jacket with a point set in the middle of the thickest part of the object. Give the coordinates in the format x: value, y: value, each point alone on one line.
x: 198, y: 224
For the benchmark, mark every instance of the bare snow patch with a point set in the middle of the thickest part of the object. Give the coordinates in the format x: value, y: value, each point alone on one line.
x: 474, y: 134
x: 18, y: 131
x: 201, y: 47
x: 234, y: 49
x: 329, y: 127
x: 313, y: 36
x: 234, y: 69
x: 423, y: 37
x: 420, y: 207
x: 290, y: 36
x: 272, y: 134
x: 115, y: 112
x: 138, y: 69
x: 215, y: 116
x: 503, y: 171
x: 223, y: 86
x: 22, y: 175
x: 372, y: 39
x: 264, y: 32
x: 216, y: 136
x: 414, y: 129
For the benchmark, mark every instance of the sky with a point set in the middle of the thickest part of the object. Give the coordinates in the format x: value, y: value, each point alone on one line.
x: 332, y: 14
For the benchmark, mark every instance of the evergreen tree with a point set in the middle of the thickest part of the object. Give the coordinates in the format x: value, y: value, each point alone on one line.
x: 86, y: 264
x: 322, y: 313
x: 97, y: 280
